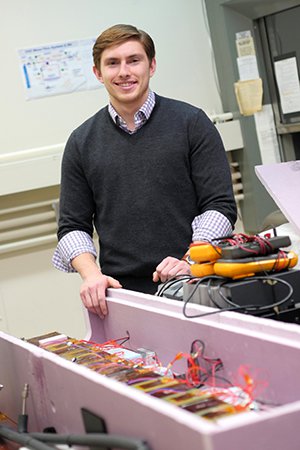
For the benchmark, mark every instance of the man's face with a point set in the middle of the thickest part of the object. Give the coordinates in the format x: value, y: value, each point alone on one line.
x: 125, y: 71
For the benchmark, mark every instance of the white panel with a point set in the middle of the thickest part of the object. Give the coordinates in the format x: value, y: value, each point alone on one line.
x: 231, y: 134
x: 30, y: 169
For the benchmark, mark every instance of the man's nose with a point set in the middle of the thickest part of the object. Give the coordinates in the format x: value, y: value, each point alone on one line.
x: 124, y: 69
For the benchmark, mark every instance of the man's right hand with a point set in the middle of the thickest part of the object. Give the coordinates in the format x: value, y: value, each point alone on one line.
x: 95, y: 283
x: 93, y: 292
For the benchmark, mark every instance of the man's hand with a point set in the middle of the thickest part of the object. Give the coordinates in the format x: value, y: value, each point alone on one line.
x: 169, y: 268
x: 93, y: 292
x: 93, y: 288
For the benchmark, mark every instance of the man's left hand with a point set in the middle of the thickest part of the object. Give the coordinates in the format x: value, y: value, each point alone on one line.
x: 169, y: 268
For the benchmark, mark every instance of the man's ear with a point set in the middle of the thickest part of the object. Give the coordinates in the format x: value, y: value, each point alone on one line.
x: 152, y: 67
x: 97, y: 74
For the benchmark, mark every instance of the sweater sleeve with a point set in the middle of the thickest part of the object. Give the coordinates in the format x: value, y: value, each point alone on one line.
x: 210, y: 169
x: 77, y: 207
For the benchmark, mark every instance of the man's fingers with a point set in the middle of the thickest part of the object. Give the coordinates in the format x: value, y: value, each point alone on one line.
x: 170, y: 268
x: 92, y: 303
x: 114, y: 283
x: 163, y: 269
x: 93, y: 293
x: 182, y: 268
x: 155, y: 277
x: 101, y: 300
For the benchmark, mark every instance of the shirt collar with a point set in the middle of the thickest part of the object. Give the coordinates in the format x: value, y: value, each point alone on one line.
x: 145, y: 109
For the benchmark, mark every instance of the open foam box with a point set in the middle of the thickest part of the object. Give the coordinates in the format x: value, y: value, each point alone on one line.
x: 59, y: 389
x: 282, y: 182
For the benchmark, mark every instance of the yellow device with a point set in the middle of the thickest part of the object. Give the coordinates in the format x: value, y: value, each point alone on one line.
x: 202, y: 269
x: 203, y: 251
x: 246, y: 267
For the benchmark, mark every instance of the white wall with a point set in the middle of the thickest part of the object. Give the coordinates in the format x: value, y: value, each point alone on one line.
x: 183, y: 56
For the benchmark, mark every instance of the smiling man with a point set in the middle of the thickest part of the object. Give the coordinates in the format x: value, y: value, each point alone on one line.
x: 125, y: 71
x: 148, y: 172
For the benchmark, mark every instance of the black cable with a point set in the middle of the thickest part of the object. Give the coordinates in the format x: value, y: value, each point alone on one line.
x: 93, y: 440
x: 197, y: 284
x: 177, y: 290
x: 124, y: 339
x: 196, y: 357
x: 234, y: 306
x: 222, y: 238
x: 201, y: 280
x: 174, y: 280
x: 211, y: 297
x: 23, y: 439
x: 197, y: 341
x: 218, y: 311
x: 260, y: 308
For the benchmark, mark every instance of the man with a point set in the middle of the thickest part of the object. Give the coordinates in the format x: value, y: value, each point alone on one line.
x: 150, y: 174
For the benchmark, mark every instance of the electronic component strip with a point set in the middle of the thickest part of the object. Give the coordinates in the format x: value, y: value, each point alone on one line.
x: 127, y: 366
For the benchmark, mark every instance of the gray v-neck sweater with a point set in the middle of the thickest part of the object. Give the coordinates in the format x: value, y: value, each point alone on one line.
x: 143, y: 190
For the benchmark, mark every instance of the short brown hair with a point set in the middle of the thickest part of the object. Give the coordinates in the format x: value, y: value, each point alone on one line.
x: 118, y: 34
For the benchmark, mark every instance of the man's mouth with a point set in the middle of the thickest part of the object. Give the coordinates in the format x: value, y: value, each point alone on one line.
x: 126, y: 84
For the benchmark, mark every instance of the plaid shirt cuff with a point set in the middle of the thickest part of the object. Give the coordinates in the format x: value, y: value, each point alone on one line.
x: 211, y: 225
x: 70, y: 246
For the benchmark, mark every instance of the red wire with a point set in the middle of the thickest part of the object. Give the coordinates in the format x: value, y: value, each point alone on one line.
x: 265, y: 246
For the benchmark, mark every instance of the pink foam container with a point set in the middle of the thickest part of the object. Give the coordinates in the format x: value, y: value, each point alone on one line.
x: 60, y: 388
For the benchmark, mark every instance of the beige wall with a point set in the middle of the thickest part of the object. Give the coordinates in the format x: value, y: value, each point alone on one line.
x: 35, y: 298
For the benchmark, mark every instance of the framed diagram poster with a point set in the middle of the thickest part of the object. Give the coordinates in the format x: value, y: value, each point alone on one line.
x: 57, y: 69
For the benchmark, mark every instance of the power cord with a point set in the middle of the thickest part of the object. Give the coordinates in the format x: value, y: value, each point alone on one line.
x: 172, y: 281
x: 262, y: 278
x: 37, y: 441
x: 234, y: 306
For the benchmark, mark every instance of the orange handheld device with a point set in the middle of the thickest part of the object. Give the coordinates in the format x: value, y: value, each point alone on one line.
x: 235, y: 248
x: 203, y: 269
x: 244, y: 267
x: 203, y: 251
